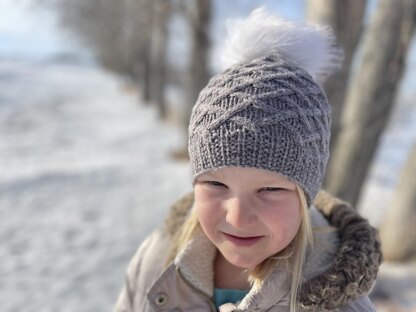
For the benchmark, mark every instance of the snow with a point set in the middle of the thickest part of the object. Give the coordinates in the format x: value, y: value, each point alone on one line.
x: 395, y: 145
x: 85, y: 174
x: 395, y: 289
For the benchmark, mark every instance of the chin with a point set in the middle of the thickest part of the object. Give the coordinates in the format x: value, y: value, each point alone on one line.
x: 244, y: 262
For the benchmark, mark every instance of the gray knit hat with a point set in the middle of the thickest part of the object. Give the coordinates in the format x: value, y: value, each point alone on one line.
x: 267, y: 111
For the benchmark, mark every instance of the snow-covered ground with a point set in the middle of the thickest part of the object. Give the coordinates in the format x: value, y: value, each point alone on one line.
x: 85, y: 174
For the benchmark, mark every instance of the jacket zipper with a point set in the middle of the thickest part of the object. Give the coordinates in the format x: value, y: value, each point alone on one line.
x: 212, y: 305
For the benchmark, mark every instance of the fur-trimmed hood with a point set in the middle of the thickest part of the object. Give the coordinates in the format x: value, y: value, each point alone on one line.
x: 354, y: 260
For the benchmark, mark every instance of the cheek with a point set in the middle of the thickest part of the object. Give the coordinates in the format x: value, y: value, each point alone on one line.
x: 283, y: 222
x: 204, y: 215
x: 208, y: 213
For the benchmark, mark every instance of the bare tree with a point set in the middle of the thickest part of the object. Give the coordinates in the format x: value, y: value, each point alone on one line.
x: 398, y: 233
x: 370, y: 96
x: 200, y: 20
x: 99, y: 25
x: 138, y: 23
x: 158, y: 59
x: 199, y: 15
x: 345, y: 18
x: 118, y: 32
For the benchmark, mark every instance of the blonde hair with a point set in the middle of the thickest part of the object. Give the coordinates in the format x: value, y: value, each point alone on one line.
x: 292, y: 257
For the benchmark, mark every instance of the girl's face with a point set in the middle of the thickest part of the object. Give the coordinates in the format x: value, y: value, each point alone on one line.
x: 249, y: 214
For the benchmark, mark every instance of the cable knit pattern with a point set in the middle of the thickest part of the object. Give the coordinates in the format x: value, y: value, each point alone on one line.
x: 267, y: 113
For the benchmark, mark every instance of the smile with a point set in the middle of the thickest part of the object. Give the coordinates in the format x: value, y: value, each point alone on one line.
x: 242, y: 241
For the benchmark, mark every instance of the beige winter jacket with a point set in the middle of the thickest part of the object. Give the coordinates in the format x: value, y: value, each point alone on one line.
x: 339, y: 270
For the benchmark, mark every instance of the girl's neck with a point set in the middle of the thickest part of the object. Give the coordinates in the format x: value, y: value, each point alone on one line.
x: 229, y: 276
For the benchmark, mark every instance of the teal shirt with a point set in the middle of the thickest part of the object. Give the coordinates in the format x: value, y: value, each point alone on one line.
x: 222, y: 296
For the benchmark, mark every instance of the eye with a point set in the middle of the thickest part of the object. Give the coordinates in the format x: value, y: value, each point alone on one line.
x: 215, y: 184
x: 272, y: 189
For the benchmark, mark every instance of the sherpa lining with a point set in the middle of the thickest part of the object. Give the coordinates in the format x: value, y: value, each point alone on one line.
x: 355, y: 265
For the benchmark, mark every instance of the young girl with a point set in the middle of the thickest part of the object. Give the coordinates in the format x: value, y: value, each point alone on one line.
x: 256, y: 234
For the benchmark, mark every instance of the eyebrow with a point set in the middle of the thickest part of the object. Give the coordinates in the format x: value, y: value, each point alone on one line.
x: 208, y: 174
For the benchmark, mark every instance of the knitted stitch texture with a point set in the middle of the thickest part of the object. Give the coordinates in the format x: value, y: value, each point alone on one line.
x: 267, y: 113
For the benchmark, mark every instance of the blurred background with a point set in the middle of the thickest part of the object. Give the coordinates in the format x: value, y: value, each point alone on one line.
x: 95, y: 96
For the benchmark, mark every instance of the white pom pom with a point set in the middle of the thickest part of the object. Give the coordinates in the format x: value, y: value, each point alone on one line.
x: 311, y: 47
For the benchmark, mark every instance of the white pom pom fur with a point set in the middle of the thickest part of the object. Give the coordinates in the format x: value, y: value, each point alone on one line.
x: 310, y: 47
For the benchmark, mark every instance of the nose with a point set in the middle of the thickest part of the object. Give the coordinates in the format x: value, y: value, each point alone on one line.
x: 240, y: 213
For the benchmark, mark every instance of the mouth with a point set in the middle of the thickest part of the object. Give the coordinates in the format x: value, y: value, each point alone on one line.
x: 242, y: 241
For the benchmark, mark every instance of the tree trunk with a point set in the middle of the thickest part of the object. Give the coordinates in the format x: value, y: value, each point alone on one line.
x: 346, y: 20
x: 199, y: 16
x: 160, y: 40
x: 146, y: 46
x: 398, y: 234
x: 370, y: 97
x: 139, y: 24
x: 324, y: 12
x: 200, y: 19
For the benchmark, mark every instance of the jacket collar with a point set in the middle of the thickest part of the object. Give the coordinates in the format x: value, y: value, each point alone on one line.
x: 334, y: 270
x: 354, y: 269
